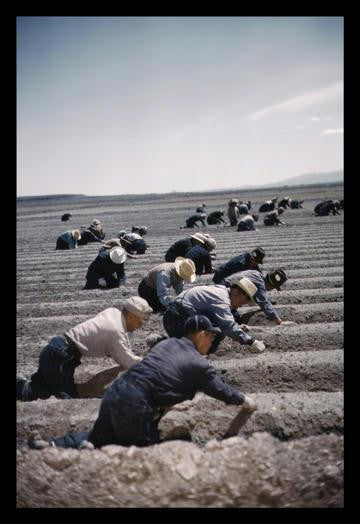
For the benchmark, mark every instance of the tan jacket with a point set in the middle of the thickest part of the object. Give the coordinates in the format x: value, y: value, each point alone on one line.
x: 105, y: 335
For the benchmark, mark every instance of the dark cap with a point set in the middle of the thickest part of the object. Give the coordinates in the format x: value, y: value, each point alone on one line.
x: 258, y: 254
x: 277, y: 278
x: 199, y: 323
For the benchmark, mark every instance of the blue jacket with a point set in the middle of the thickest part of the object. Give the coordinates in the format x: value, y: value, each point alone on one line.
x: 260, y: 297
x: 104, y: 267
x: 69, y: 239
x: 173, y: 371
x: 201, y: 258
x: 235, y: 264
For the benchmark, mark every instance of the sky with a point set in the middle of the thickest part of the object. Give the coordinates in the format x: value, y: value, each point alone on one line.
x: 118, y: 105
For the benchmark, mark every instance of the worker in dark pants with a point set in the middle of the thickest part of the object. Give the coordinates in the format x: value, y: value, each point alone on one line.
x: 68, y: 240
x: 272, y: 219
x: 194, y: 219
x: 267, y: 206
x: 247, y: 223
x: 107, y: 270
x: 155, y: 286
x: 296, y: 204
x: 217, y: 303
x: 201, y: 257
x: 105, y: 335
x: 285, y: 202
x: 247, y: 260
x: 173, y: 371
x: 233, y: 212
x: 325, y: 208
x: 216, y: 217
x: 65, y: 217
x: 182, y: 246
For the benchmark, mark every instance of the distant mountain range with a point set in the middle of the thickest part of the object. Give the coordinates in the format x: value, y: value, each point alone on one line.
x: 306, y: 179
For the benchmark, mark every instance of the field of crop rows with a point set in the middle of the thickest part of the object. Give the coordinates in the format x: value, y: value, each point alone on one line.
x: 290, y: 452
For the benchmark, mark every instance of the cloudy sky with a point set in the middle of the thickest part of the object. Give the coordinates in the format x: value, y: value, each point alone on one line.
x: 156, y: 104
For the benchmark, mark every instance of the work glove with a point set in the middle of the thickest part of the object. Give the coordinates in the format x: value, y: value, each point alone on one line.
x: 288, y: 323
x: 257, y: 346
x: 249, y: 404
x: 102, y: 282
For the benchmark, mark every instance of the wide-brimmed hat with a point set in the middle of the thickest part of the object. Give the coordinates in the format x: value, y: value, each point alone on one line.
x: 197, y: 323
x: 258, y: 254
x: 118, y: 255
x: 246, y: 285
x: 185, y: 268
x: 210, y: 243
x: 199, y: 237
x: 76, y: 234
x: 203, y: 215
x: 276, y: 278
x: 138, y: 307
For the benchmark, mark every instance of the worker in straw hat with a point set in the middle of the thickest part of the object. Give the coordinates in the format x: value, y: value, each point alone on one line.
x: 200, y: 255
x: 182, y: 246
x: 107, y: 270
x: 217, y: 303
x: 264, y: 282
x: 68, y: 240
x: 106, y: 334
x: 172, y: 372
x: 155, y: 286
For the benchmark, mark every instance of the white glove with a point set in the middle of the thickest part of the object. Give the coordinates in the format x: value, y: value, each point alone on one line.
x: 249, y: 404
x: 102, y: 282
x: 257, y: 346
x: 288, y: 323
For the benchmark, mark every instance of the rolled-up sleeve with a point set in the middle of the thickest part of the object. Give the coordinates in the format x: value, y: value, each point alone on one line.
x: 211, y: 384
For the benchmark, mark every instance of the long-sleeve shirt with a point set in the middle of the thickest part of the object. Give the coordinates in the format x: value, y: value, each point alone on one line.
x: 163, y: 277
x: 214, y: 302
x: 104, y: 267
x: 69, y: 239
x: 261, y: 296
x: 247, y: 222
x: 88, y: 236
x: 243, y: 209
x: 178, y: 249
x: 201, y: 258
x: 233, y: 213
x: 215, y: 216
x: 191, y: 221
x: 105, y: 335
x: 174, y: 371
x: 235, y: 264
x: 272, y: 218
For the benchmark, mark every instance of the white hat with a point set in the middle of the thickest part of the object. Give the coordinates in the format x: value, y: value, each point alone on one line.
x: 246, y: 285
x: 185, y: 268
x: 210, y: 243
x: 199, y: 237
x: 118, y: 255
x: 138, y: 307
x: 76, y: 234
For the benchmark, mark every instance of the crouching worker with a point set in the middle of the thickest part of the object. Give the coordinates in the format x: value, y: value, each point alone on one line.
x: 68, y: 240
x: 172, y: 372
x: 247, y: 223
x: 194, y: 219
x: 217, y: 303
x: 272, y: 219
x: 248, y: 260
x: 107, y: 270
x: 216, y: 217
x: 106, y: 334
x: 155, y: 286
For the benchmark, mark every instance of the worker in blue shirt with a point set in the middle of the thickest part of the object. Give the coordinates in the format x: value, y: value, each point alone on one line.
x: 192, y: 221
x: 182, y: 246
x: 201, y: 257
x: 217, y: 303
x: 173, y: 371
x: 68, y: 240
x: 247, y: 260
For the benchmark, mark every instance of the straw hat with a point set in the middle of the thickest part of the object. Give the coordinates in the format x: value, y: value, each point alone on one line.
x: 76, y: 234
x: 199, y: 237
x: 210, y: 243
x: 246, y: 285
x: 185, y: 268
x: 118, y: 255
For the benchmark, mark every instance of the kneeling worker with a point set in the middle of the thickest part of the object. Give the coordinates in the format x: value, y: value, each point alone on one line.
x: 106, y: 334
x: 68, y: 240
x: 107, y: 270
x: 172, y: 372
x: 155, y: 286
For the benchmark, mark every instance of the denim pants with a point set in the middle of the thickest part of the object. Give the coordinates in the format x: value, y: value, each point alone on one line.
x: 150, y: 295
x: 55, y: 375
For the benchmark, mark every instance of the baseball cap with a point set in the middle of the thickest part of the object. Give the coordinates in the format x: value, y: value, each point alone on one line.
x: 277, y: 278
x: 198, y: 323
x: 138, y: 307
x: 258, y: 254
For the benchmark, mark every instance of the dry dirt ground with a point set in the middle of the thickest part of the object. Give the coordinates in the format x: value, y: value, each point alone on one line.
x: 290, y: 452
